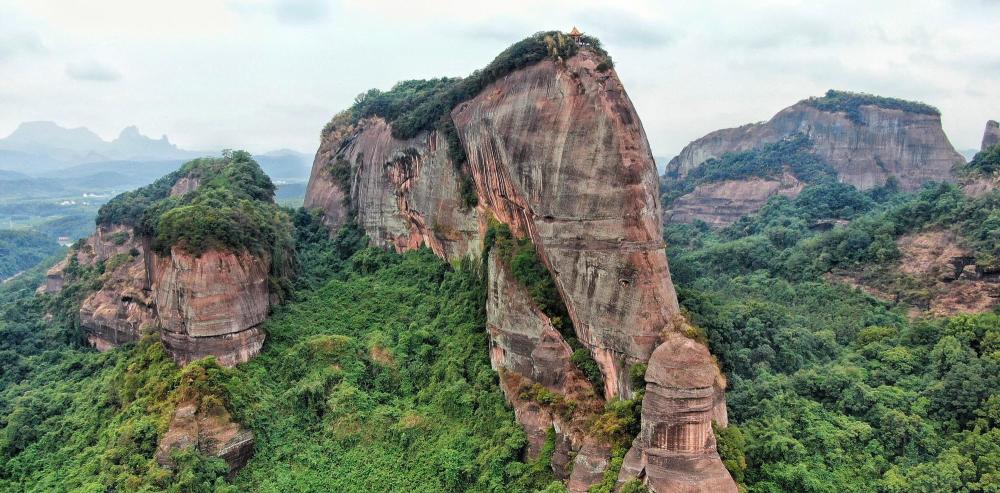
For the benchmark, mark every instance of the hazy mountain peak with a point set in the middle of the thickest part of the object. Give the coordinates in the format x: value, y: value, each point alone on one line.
x: 29, y: 135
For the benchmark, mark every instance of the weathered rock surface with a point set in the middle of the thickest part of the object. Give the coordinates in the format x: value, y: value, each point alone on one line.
x: 724, y: 202
x: 991, y: 136
x: 942, y: 269
x: 976, y: 184
x: 675, y: 450
x: 207, y: 305
x: 210, y: 431
x: 527, y: 350
x: 911, y: 147
x: 122, y: 310
x: 405, y: 192
x: 212, y: 304
x: 557, y: 152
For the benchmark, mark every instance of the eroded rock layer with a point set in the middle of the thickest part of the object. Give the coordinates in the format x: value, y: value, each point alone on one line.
x: 527, y: 350
x: 556, y: 151
x: 724, y: 202
x: 675, y: 450
x: 212, y: 304
x: 909, y: 146
x: 210, y: 431
x: 206, y: 305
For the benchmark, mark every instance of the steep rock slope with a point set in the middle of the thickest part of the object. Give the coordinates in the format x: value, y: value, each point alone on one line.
x: 983, y: 172
x: 206, y: 297
x: 991, y: 136
x: 866, y: 139
x: 553, y: 149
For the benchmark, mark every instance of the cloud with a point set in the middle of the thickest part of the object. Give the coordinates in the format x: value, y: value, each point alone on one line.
x: 301, y: 11
x: 625, y: 29
x: 92, y: 70
x: 286, y: 11
x: 15, y: 44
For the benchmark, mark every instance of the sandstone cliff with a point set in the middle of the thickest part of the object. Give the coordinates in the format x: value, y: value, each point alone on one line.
x: 981, y: 175
x: 865, y: 139
x: 210, y: 431
x: 555, y: 151
x: 865, y: 151
x: 207, y: 304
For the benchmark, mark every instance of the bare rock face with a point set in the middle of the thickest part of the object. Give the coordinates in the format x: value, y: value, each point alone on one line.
x: 991, y: 136
x: 212, y: 304
x: 945, y: 272
x: 675, y: 450
x: 122, y: 310
x: 210, y: 431
x: 209, y: 305
x: 724, y: 202
x: 557, y: 152
x: 909, y: 146
x: 405, y: 192
x: 526, y: 349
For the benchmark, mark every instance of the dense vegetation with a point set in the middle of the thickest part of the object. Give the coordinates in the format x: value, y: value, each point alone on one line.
x: 232, y: 207
x: 20, y: 250
x: 347, y: 395
x: 415, y: 106
x: 830, y: 389
x: 985, y: 162
x: 767, y: 161
x: 850, y: 103
x: 422, y: 105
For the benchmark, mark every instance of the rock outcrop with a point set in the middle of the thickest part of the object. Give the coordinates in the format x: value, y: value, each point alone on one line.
x: 675, y: 449
x: 723, y: 202
x: 527, y: 350
x: 210, y: 304
x: 210, y: 430
x: 977, y: 184
x: 991, y: 136
x: 935, y: 274
x: 883, y: 143
x: 555, y: 151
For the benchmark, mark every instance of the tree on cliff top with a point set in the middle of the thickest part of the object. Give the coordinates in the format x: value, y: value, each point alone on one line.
x: 414, y: 106
x: 851, y: 103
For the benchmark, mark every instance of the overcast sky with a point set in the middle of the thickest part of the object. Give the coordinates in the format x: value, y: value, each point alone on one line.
x: 267, y: 74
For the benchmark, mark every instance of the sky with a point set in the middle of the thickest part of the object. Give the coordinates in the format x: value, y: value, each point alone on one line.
x: 267, y: 74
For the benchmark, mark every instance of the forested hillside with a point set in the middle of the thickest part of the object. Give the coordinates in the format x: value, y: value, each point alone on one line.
x: 376, y: 378
x: 831, y: 389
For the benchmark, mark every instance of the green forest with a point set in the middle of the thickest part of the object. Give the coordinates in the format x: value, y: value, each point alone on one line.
x: 831, y: 390
x: 22, y: 249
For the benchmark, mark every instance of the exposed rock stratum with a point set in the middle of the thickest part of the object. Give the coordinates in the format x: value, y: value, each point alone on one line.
x: 556, y: 151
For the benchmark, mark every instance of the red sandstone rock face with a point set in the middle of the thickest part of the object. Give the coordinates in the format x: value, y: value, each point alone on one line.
x: 406, y: 192
x: 557, y: 152
x: 211, y: 304
x: 122, y: 310
x: 675, y: 450
x: 526, y: 349
x: 724, y: 202
x: 909, y: 146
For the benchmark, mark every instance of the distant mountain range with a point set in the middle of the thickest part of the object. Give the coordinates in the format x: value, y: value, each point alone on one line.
x: 44, y: 148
